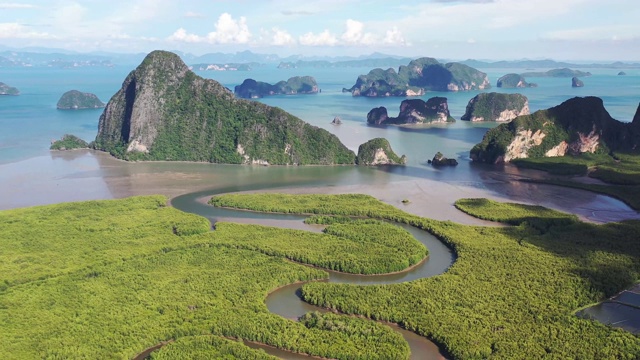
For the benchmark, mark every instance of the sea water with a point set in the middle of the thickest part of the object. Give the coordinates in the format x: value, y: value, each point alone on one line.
x: 30, y: 121
x: 30, y: 174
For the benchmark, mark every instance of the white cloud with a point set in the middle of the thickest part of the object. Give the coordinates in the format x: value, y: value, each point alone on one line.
x: 354, y: 34
x: 182, y: 35
x: 281, y: 38
x: 325, y: 38
x: 19, y: 31
x: 70, y: 16
x: 394, y: 37
x: 16, y: 6
x: 193, y: 14
x: 612, y: 32
x: 230, y: 31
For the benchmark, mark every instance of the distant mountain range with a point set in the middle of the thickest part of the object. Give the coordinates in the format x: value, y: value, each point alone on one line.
x: 49, y: 57
x: 536, y: 64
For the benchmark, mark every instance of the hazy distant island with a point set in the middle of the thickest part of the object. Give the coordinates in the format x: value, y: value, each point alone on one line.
x: 511, y: 81
x: 565, y: 72
x: 374, y: 62
x: 226, y: 67
x: 496, y: 107
x: 575, y: 82
x: 413, y: 111
x: 76, y: 100
x: 8, y: 90
x: 622, y: 73
x: 421, y: 75
x: 546, y: 64
x: 576, y: 126
x: 164, y: 111
x: 252, y: 89
x: 378, y: 152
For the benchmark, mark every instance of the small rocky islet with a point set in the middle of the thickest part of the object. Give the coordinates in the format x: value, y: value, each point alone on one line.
x: 77, y: 100
x: 497, y: 107
x: 512, y: 81
x: 414, y: 111
x: 8, y: 90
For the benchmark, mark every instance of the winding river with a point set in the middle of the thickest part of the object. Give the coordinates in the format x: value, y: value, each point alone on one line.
x: 286, y: 301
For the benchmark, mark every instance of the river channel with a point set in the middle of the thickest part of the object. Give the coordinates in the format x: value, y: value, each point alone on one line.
x: 286, y: 301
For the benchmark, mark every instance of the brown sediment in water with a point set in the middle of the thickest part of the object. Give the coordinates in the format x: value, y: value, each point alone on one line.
x: 146, y: 352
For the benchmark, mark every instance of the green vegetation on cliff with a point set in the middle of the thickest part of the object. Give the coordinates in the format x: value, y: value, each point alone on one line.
x: 581, y: 124
x: 75, y: 100
x: 250, y: 89
x: 512, y: 291
x: 164, y: 111
x: 424, y: 74
x: 496, y: 107
x: 378, y: 152
x: 8, y: 90
x: 414, y: 111
x: 69, y: 142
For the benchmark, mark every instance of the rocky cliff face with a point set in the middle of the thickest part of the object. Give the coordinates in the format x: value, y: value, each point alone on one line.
x: 251, y: 89
x: 424, y: 74
x: 575, y: 82
x: 378, y: 152
x: 414, y: 111
x: 166, y: 112
x: 576, y: 126
x: 496, y: 107
x: 75, y: 100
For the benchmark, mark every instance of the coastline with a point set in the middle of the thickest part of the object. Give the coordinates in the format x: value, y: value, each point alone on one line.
x: 90, y: 175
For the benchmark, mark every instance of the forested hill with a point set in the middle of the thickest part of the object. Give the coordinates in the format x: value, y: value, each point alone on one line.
x: 164, y: 111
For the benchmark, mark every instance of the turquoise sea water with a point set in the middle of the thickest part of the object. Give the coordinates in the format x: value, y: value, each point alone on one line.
x: 29, y: 122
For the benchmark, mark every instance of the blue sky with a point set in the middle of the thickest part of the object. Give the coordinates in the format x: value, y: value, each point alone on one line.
x: 453, y: 29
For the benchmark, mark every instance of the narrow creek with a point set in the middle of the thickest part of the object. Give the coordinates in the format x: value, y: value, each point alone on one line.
x: 286, y: 301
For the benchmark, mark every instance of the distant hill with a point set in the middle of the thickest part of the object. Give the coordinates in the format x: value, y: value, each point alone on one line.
x: 251, y: 89
x: 547, y: 64
x: 556, y: 73
x: 226, y: 66
x: 379, y: 62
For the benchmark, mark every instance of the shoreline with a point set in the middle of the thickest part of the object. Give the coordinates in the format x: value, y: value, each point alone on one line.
x: 89, y: 175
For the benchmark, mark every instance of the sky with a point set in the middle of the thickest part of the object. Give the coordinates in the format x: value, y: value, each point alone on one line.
x: 451, y: 29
